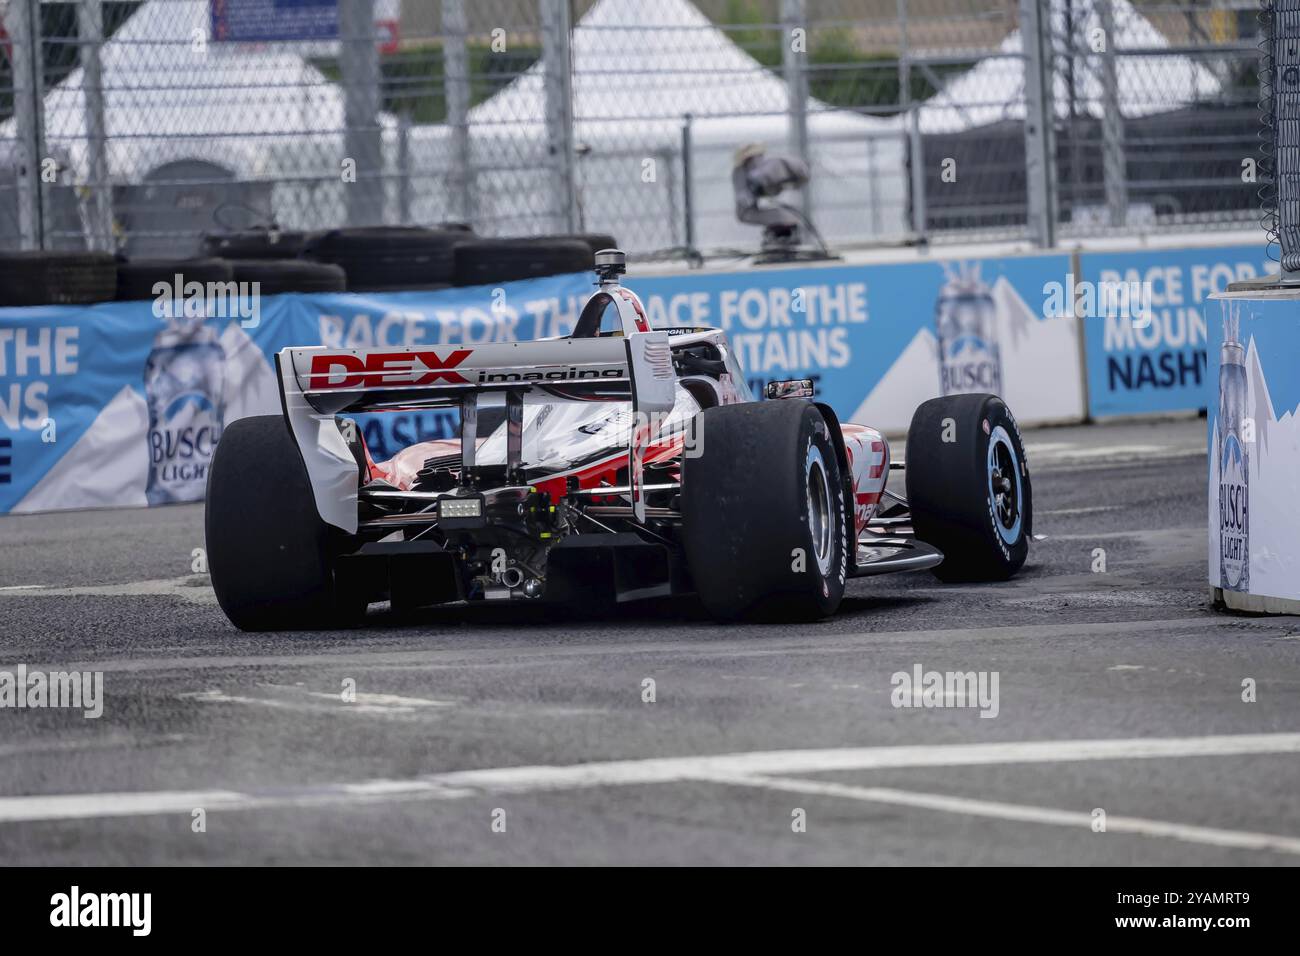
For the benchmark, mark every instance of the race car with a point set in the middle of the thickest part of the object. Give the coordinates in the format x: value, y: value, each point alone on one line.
x: 618, y: 463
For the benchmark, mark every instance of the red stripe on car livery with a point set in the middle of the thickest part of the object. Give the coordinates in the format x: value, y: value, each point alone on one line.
x: 878, y: 467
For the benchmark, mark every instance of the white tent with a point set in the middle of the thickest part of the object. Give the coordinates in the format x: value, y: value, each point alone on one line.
x: 638, y: 69
x: 994, y: 89
x: 262, y: 112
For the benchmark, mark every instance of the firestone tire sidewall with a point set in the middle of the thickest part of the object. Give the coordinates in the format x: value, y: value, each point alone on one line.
x: 746, y: 527
x: 948, y: 487
x: 270, y: 556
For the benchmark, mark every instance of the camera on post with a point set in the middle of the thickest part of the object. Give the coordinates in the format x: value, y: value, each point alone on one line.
x: 610, y: 264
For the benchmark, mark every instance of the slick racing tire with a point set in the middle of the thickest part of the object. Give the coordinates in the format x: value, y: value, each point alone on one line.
x: 968, y: 486
x: 764, y: 520
x: 270, y: 556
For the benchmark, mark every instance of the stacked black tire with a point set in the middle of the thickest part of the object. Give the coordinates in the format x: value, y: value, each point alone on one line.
x: 370, y: 259
x: 56, y: 278
x: 488, y: 261
x: 276, y: 260
x: 389, y: 258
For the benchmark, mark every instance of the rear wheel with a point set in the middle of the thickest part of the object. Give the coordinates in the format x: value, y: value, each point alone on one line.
x: 968, y: 486
x: 763, y: 516
x: 270, y: 556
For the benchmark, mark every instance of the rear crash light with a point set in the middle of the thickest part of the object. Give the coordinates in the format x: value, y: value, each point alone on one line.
x: 460, y: 514
x: 460, y: 508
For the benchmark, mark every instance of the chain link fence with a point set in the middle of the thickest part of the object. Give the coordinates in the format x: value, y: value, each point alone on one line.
x: 137, y: 126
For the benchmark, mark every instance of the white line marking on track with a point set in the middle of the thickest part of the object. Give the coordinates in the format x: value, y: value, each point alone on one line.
x: 1237, y: 839
x: 654, y: 770
x: 194, y: 588
x: 528, y: 654
x: 301, y: 699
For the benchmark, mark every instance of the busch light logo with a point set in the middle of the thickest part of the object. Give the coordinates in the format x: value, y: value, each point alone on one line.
x: 184, y: 387
x: 1234, y: 491
x: 965, y: 321
x: 1234, y: 550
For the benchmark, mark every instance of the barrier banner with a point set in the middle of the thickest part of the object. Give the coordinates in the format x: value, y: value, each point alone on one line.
x: 877, y: 340
x: 1145, y: 314
x: 1254, y: 441
x: 119, y: 404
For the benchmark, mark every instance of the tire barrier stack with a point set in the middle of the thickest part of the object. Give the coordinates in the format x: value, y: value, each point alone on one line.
x: 370, y: 259
x: 57, y: 278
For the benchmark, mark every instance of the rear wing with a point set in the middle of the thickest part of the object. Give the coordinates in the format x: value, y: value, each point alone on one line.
x: 319, y: 383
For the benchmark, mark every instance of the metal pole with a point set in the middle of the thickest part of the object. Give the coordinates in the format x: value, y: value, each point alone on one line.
x: 794, y: 16
x: 557, y: 79
x: 455, y: 72
x: 1112, y: 124
x: 23, y: 20
x: 363, y: 144
x: 1040, y: 149
x: 916, y: 167
x: 688, y: 190
x: 403, y: 169
x: 90, y: 33
x: 665, y: 156
x: 916, y: 146
x: 1283, y: 104
x: 872, y: 183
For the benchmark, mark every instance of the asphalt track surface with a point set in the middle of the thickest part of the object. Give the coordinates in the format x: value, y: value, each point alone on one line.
x: 1119, y: 690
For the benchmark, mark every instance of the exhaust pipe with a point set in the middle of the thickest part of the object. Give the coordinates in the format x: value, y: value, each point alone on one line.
x: 512, y: 577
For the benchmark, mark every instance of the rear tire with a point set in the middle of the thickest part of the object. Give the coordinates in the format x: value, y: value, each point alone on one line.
x: 763, y: 515
x: 270, y: 556
x: 968, y: 486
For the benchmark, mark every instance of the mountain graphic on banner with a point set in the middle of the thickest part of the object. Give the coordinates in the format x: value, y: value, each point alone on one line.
x: 108, y: 466
x: 1039, y: 361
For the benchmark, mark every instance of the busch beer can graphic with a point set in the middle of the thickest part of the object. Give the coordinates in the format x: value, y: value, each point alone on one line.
x: 1234, y: 491
x: 183, y: 388
x: 966, y: 324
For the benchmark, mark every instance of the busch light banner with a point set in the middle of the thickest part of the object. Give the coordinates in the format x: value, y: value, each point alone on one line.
x: 1254, y: 443
x: 121, y: 404
x: 1146, y: 316
x: 877, y: 340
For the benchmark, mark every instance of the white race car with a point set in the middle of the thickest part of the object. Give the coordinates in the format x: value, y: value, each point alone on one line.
x: 619, y: 463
